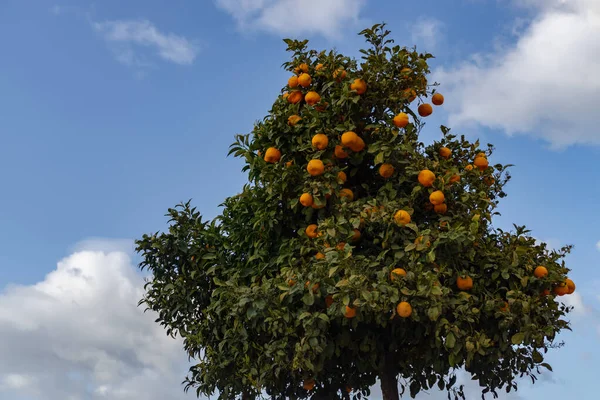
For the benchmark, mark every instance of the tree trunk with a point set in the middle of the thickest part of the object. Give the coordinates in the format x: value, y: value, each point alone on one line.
x: 389, y: 385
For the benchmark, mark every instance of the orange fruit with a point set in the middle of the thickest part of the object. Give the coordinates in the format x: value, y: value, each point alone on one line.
x: 295, y: 97
x: 505, y: 307
x: 293, y: 120
x: 312, y: 98
x: 291, y: 282
x: 272, y: 155
x: 481, y: 154
x: 425, y: 110
x: 293, y: 81
x: 481, y: 162
x: 405, y: 71
x: 404, y: 309
x: 359, y: 85
x: 304, y: 80
x: 309, y: 384
x: 402, y: 217
x: 488, y: 180
x: 348, y: 389
x: 401, y: 120
x: 437, y: 99
x: 285, y: 95
x: 440, y: 208
x: 319, y: 256
x: 319, y: 67
x: 386, y: 170
x: 341, y: 246
x: 545, y: 292
x: 419, y: 241
x: 315, y: 167
x: 339, y: 152
x: 316, y: 207
x: 410, y: 94
x: 329, y: 300
x: 311, y: 231
x: 342, y: 176
x: 352, y: 141
x: 436, y: 197
x: 454, y: 179
x: 469, y: 167
x: 350, y: 312
x: 426, y: 178
x: 464, y: 283
x: 443, y: 224
x: 445, y: 152
x: 356, y: 235
x: 540, y: 272
x: 306, y: 199
x: 339, y: 74
x: 289, y: 164
x: 346, y: 193
x: 570, y: 286
x: 561, y: 289
x: 320, y: 141
x: 397, y: 272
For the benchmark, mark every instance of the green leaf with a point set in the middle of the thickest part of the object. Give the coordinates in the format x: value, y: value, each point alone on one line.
x: 379, y: 158
x: 518, y: 338
x: 450, y: 340
x: 547, y: 366
x: 434, y: 313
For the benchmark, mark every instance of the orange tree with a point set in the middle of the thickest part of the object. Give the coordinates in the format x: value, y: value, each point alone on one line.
x: 356, y: 253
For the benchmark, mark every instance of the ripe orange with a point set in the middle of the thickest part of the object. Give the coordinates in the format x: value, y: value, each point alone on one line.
x: 454, y: 179
x: 402, y: 217
x: 291, y: 282
x: 311, y: 231
x: 540, y: 272
x: 356, y: 235
x: 481, y: 162
x: 359, y: 85
x: 341, y: 246
x: 350, y: 312
x: 397, y: 272
x: 285, y: 95
x: 319, y: 256
x: 339, y: 152
x: 570, y: 286
x: 445, y: 152
x: 488, y: 180
x: 309, y: 384
x: 293, y: 120
x: 304, y: 80
x: 436, y: 197
x: 410, y: 94
x: 352, y: 141
x: 545, y: 292
x: 320, y: 141
x: 505, y: 307
x: 319, y: 67
x: 425, y: 110
x: 329, y: 300
x: 346, y: 193
x: 272, y: 155
x: 315, y: 167
x: 404, y: 309
x: 312, y: 98
x: 306, y: 199
x: 469, y: 167
x: 342, y: 176
x: 339, y: 74
x: 293, y: 81
x: 426, y: 178
x: 481, y: 154
x: 419, y: 241
x: 301, y: 68
x: 561, y: 289
x: 289, y: 163
x: 316, y: 207
x: 386, y: 170
x: 440, y: 208
x: 443, y: 224
x: 437, y: 99
x: 464, y: 283
x: 401, y: 120
x: 405, y: 71
x: 295, y: 97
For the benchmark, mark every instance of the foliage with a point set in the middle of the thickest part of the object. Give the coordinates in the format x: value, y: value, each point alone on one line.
x: 262, y: 314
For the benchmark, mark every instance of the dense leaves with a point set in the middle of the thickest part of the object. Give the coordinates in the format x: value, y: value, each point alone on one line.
x: 265, y: 308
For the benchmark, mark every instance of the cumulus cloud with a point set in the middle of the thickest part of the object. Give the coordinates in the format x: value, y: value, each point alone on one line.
x: 128, y: 37
x: 544, y: 85
x: 290, y: 17
x: 79, y: 334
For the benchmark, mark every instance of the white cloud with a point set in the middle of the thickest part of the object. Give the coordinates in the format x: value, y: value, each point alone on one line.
x: 80, y: 334
x: 598, y: 245
x: 576, y: 301
x: 544, y: 85
x: 128, y: 36
x: 290, y: 17
x: 426, y: 32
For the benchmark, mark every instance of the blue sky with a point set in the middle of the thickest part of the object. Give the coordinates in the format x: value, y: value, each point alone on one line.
x: 112, y: 111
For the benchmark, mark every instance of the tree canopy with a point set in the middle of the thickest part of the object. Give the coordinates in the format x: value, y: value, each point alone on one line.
x: 356, y: 252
